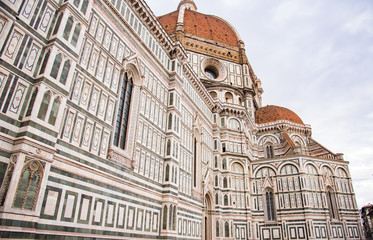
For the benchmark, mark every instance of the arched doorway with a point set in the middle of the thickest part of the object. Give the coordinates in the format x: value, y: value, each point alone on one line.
x: 207, y: 218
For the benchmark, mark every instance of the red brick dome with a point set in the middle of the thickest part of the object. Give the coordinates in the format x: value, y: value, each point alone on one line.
x: 201, y: 25
x: 271, y: 113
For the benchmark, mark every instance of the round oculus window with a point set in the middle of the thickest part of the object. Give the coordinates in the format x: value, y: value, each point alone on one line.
x: 211, y: 73
x: 214, y: 69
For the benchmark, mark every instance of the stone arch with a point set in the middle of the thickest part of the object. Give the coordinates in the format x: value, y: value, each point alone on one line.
x: 324, y: 168
x: 133, y: 71
x: 340, y: 168
x: 265, y: 166
x: 268, y: 138
x: 313, y: 165
x: 282, y: 165
x: 296, y: 138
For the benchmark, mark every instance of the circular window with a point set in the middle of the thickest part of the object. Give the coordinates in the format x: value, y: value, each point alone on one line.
x: 211, y: 73
x: 213, y: 69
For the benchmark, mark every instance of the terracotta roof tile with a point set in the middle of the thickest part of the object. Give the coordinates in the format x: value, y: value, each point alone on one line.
x: 273, y: 113
x: 201, y: 25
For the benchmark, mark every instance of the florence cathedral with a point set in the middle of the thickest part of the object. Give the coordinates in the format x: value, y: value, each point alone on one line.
x: 117, y: 124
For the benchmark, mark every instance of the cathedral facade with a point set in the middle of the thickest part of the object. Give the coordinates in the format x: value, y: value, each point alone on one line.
x: 117, y: 124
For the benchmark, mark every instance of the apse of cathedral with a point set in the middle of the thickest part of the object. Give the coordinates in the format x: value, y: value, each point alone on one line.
x: 117, y: 124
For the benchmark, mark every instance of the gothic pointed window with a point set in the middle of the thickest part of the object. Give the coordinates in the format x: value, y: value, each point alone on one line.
x: 224, y: 164
x: 45, y: 61
x: 195, y: 163
x: 217, y: 228
x: 84, y: 6
x: 32, y: 101
x: 217, y: 199
x: 6, y: 182
x: 76, y: 34
x: 226, y: 228
x: 123, y: 112
x: 54, y: 111
x: 57, y: 25
x: 170, y: 218
x: 29, y: 185
x: 68, y: 26
x: 44, y: 105
x: 168, y: 147
x: 65, y: 71
x: 269, y: 151
x: 269, y: 205
x: 164, y: 221
x: 225, y: 200
x: 170, y: 121
x: 332, y: 204
x: 167, y: 175
x: 225, y: 183
x: 174, y: 219
x: 56, y: 66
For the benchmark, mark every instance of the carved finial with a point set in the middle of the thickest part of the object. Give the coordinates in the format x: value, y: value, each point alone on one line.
x: 187, y: 4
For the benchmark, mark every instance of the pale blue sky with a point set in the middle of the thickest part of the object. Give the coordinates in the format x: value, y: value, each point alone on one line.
x: 314, y: 57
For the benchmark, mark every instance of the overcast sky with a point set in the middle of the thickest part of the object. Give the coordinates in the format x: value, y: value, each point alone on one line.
x: 314, y: 57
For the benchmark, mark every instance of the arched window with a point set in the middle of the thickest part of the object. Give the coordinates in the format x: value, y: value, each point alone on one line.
x: 65, y: 72
x: 45, y: 61
x: 170, y: 121
x: 225, y: 182
x: 58, y: 23
x: 216, y: 181
x: 225, y: 200
x: 173, y: 174
x: 217, y: 229
x: 170, y: 223
x: 84, y: 6
x: 214, y: 95
x: 332, y: 203
x: 54, y: 111
x: 224, y: 163
x: 171, y: 100
x: 226, y: 227
x: 234, y: 124
x: 167, y: 175
x: 56, y: 66
x: 6, y: 182
x: 76, y: 34
x: 123, y: 112
x: 164, y: 224
x: 229, y: 97
x: 174, y: 219
x: 44, y: 105
x: 237, y: 168
x: 216, y: 162
x: 32, y: 101
x: 269, y: 205
x: 269, y: 151
x: 168, y: 147
x: 29, y: 185
x: 195, y: 162
x: 76, y: 3
x: 217, y: 198
x: 68, y: 26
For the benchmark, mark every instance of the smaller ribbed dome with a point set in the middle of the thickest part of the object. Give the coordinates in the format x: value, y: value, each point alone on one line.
x: 271, y: 113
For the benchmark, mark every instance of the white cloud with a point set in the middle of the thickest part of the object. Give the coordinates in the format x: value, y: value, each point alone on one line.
x: 361, y: 23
